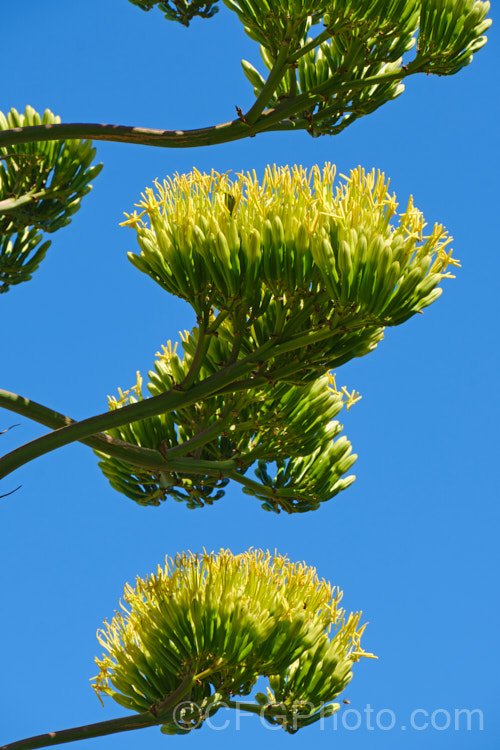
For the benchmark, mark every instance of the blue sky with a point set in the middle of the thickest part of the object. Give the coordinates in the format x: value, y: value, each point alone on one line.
x: 413, y: 543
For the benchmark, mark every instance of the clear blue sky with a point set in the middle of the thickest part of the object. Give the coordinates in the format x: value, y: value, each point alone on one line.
x: 413, y: 542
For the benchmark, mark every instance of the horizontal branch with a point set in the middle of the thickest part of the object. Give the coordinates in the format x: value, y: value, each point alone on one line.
x: 223, y: 133
x: 144, y: 458
x: 271, y: 119
x: 80, y: 431
x: 158, y: 714
x: 100, y: 729
x: 11, y: 204
x: 176, y: 398
x: 128, y: 723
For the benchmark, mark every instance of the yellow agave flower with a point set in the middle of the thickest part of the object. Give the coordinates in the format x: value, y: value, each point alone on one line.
x: 206, y: 626
x: 291, y: 425
x: 226, y: 244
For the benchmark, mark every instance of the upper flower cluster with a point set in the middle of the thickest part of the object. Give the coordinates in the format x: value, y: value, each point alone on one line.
x: 230, y: 243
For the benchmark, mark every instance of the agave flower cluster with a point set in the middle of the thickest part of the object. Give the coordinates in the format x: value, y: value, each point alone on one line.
x: 290, y: 425
x: 289, y: 277
x: 205, y: 627
x: 41, y: 187
x: 352, y: 62
x: 449, y: 31
x: 265, y: 249
x: 182, y: 11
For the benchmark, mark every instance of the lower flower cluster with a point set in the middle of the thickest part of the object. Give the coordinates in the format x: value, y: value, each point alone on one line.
x: 205, y: 627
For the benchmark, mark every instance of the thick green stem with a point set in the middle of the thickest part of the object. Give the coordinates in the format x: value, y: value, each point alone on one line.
x: 323, y: 37
x: 202, y: 346
x: 79, y: 431
x: 223, y: 133
x: 67, y: 431
x: 165, y: 402
x: 201, y: 438
x: 276, y: 75
x: 100, y: 729
x: 252, y: 708
x: 127, y: 723
x: 188, y: 465
x: 146, y: 458
x: 271, y: 119
x: 11, y: 204
x: 261, y: 489
x: 158, y: 714
x: 309, y: 99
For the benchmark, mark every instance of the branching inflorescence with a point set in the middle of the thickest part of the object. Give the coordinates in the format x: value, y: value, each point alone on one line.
x: 289, y: 277
x: 295, y: 275
x: 326, y: 64
x: 205, y: 627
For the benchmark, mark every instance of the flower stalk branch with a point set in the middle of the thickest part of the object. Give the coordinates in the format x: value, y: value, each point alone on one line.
x: 86, y: 732
x: 271, y: 119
